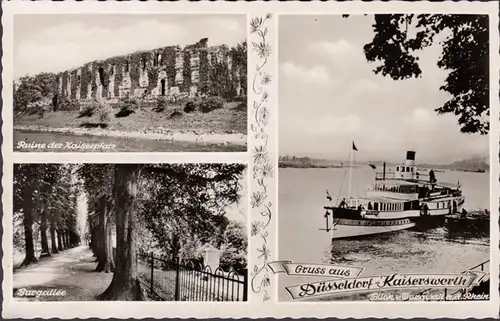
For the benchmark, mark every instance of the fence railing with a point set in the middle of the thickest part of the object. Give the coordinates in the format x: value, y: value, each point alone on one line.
x: 173, y: 281
x: 480, y: 266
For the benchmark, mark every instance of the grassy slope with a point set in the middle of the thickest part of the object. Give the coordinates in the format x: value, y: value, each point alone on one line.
x: 228, y: 120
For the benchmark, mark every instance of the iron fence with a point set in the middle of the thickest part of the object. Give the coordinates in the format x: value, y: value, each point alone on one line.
x: 173, y: 281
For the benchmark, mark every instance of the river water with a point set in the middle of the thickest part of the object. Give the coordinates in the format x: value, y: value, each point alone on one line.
x: 302, y: 197
x: 122, y: 144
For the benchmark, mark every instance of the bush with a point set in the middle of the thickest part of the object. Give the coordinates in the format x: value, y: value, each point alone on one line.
x: 127, y: 106
x: 242, y: 106
x: 205, y: 104
x: 124, y: 111
x: 211, y: 103
x: 233, y: 259
x: 191, y: 105
x: 129, y: 103
x: 65, y: 104
x: 40, y: 111
x: 240, y: 99
x: 161, y: 105
x: 104, y: 110
x: 176, y: 114
x: 87, y: 110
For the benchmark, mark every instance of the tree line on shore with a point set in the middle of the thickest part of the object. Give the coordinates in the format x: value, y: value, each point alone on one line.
x: 172, y: 209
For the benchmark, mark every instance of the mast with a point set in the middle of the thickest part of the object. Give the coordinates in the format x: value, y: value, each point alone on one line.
x: 351, y: 156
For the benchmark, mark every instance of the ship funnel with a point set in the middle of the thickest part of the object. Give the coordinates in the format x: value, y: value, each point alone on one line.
x: 410, y: 158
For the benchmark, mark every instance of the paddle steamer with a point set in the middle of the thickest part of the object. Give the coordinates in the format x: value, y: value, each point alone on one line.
x: 401, y: 198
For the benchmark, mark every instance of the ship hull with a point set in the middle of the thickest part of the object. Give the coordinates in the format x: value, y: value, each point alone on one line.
x: 343, y: 231
x: 351, y: 224
x: 423, y: 223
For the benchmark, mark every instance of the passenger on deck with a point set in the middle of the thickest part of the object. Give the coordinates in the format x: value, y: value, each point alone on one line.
x: 424, y: 210
x: 370, y: 206
x: 343, y: 204
x: 432, y: 176
x: 464, y: 213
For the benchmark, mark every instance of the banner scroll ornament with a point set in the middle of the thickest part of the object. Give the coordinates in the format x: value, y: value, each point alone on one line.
x: 346, y: 280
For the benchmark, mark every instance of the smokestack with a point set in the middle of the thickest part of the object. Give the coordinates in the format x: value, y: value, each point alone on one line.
x: 383, y: 173
x: 410, y: 158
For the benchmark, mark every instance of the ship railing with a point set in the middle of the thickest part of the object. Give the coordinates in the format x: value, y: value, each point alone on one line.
x: 381, y: 175
x: 391, y: 174
x: 393, y: 189
x: 481, y: 266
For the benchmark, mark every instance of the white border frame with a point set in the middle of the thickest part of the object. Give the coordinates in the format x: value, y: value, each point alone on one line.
x: 253, y: 308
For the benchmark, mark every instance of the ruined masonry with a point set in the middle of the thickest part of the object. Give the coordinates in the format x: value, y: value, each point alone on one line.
x: 169, y: 72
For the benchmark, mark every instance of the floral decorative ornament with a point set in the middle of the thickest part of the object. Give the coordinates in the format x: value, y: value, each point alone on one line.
x: 263, y: 166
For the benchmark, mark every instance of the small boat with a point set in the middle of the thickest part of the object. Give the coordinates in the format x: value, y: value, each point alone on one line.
x: 399, y: 199
x: 476, y: 221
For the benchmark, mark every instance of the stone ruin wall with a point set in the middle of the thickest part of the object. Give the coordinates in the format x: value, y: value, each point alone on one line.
x: 170, y: 72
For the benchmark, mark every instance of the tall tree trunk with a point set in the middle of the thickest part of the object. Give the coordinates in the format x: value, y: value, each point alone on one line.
x: 110, y: 245
x: 66, y: 236
x: 43, y: 235
x: 53, y: 234
x: 60, y: 244
x: 106, y: 263
x: 125, y: 285
x: 28, y: 238
x: 93, y: 240
x: 175, y: 246
x: 63, y: 238
x: 69, y: 238
x: 28, y: 228
x: 98, y: 242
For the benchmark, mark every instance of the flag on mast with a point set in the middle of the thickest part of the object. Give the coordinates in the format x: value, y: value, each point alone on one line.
x: 328, y: 196
x: 354, y: 147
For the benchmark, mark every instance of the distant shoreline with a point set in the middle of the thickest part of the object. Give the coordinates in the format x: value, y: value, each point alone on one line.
x: 280, y: 165
x: 304, y: 166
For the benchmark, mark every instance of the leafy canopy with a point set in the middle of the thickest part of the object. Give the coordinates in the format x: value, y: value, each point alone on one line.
x: 465, y: 54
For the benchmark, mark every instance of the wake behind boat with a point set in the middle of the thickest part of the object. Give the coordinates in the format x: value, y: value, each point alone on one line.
x: 399, y: 199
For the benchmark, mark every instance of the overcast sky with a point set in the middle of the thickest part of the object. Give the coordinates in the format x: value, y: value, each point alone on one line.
x: 329, y: 96
x: 59, y: 42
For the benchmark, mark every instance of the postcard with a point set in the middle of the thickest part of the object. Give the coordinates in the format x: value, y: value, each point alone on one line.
x: 254, y: 159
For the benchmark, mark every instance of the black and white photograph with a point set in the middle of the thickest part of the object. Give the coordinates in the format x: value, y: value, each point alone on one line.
x: 130, y: 83
x: 384, y: 188
x: 130, y: 232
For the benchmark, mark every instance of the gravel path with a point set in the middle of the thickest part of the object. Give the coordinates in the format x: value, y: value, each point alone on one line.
x: 66, y: 276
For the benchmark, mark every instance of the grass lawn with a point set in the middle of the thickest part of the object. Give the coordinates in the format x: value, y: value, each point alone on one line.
x: 228, y: 120
x: 143, y: 130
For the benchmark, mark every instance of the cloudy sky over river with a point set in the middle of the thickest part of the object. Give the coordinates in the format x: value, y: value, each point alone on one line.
x: 329, y: 96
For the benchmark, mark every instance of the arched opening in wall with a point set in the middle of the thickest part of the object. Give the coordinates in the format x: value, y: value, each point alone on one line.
x: 127, y: 66
x: 163, y: 85
x: 158, y: 59
x: 78, y: 79
x: 112, y: 70
x: 55, y: 102
x: 101, y: 75
x: 143, y: 64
